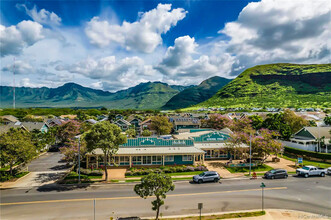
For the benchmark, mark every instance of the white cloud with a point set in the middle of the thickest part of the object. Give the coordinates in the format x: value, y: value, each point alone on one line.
x: 42, y: 17
x: 143, y: 35
x: 113, y: 74
x: 280, y: 31
x: 179, y: 66
x: 14, y: 39
x: 21, y: 68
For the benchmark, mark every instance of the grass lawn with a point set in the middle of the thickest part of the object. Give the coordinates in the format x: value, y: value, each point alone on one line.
x: 224, y: 216
x: 174, y: 174
x: 309, y: 162
x: 246, y: 169
x: 74, y: 176
x: 15, y: 177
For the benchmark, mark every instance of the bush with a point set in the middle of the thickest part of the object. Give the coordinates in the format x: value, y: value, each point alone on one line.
x: 189, y: 169
x: 306, y: 154
x: 96, y: 173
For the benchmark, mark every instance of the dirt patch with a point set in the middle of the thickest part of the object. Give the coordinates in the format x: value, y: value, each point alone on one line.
x: 282, y: 164
x: 218, y: 166
x: 115, y: 174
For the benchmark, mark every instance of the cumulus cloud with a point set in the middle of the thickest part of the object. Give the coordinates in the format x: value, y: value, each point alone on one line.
x: 280, y: 31
x: 21, y: 68
x: 143, y: 35
x: 14, y: 39
x: 114, y: 74
x: 179, y: 67
x: 43, y: 16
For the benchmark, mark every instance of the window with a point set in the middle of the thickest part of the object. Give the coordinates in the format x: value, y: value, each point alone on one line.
x: 136, y: 159
x: 157, y: 159
x: 169, y: 158
x: 147, y: 159
x: 187, y: 158
x: 125, y: 159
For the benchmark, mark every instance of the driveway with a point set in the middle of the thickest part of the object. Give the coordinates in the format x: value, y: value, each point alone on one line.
x: 46, y: 169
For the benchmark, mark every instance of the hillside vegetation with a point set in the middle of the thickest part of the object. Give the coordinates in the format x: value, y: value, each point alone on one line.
x: 196, y: 94
x: 277, y: 85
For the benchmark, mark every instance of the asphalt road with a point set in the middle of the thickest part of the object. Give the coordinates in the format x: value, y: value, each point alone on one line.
x: 48, y: 202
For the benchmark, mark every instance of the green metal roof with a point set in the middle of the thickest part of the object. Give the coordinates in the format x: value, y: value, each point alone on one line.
x: 213, y: 136
x: 158, y: 142
x: 199, y: 129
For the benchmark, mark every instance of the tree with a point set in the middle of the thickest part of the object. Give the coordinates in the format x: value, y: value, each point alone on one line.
x: 161, y: 125
x: 327, y: 120
x: 234, y: 144
x: 70, y: 151
x: 67, y: 131
x: 276, y: 122
x: 107, y: 137
x: 146, y: 133
x: 216, y: 121
x: 294, y: 121
x: 155, y: 184
x: 130, y: 133
x: 16, y: 146
x: 256, y: 121
x: 242, y: 125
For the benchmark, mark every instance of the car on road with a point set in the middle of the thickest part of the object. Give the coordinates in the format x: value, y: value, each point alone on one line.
x: 276, y: 174
x: 307, y: 171
x: 207, y: 176
x: 328, y: 171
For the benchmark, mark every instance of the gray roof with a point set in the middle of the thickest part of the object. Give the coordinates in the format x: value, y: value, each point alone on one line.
x: 30, y: 126
x: 10, y: 118
x: 318, y: 131
x: 154, y: 151
x: 5, y: 128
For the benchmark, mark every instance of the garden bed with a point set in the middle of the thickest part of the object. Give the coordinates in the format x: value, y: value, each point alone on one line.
x: 258, y: 168
x: 171, y: 170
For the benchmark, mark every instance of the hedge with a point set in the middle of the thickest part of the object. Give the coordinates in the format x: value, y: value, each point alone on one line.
x: 163, y: 169
x: 305, y: 153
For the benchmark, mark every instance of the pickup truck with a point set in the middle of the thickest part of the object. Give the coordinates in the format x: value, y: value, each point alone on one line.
x: 307, y: 171
x: 329, y: 171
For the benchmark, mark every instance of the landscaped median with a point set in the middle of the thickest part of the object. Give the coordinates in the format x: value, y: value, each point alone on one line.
x: 87, y: 176
x: 258, y: 168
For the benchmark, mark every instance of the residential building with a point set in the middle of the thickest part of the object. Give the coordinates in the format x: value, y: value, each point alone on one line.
x: 123, y: 124
x: 8, y: 119
x: 307, y: 139
x: 40, y: 126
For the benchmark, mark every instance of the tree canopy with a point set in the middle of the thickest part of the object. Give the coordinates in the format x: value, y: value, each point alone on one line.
x: 155, y: 184
x: 161, y: 125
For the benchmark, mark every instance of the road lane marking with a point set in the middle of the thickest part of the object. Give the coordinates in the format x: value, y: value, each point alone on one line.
x: 136, y: 197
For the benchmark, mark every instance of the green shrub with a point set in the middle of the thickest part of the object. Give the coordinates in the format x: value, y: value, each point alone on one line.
x: 307, y: 154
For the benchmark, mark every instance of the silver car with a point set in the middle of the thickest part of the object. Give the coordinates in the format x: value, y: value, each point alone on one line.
x: 207, y: 176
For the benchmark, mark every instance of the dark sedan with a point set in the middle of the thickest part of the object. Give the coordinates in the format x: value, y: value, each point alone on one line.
x: 276, y: 174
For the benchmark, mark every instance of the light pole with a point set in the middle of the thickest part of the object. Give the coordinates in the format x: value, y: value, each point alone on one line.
x: 78, y: 159
x: 250, y: 155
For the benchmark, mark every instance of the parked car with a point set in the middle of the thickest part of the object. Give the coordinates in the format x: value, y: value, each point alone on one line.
x: 276, y: 174
x: 328, y: 171
x: 307, y: 171
x: 207, y: 176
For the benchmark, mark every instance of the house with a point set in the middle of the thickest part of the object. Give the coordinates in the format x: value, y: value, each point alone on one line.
x: 8, y: 119
x: 186, y: 123
x: 118, y: 116
x: 40, y: 126
x: 146, y: 125
x: 150, y: 152
x: 71, y: 117
x: 54, y: 122
x: 307, y: 139
x: 5, y: 128
x: 123, y: 124
x: 91, y: 121
x: 136, y: 124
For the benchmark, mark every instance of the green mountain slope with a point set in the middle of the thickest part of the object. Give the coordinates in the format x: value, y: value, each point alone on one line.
x: 196, y: 94
x: 150, y: 95
x: 277, y: 85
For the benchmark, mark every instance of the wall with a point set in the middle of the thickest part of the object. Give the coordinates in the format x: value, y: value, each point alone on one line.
x: 178, y: 161
x: 309, y: 147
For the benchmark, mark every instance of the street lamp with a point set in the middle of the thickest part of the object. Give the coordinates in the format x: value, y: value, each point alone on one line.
x: 78, y: 137
x: 250, y: 155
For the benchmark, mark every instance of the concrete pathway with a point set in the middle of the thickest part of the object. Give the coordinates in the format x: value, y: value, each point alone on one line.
x: 217, y: 165
x: 282, y: 164
x: 115, y: 174
x: 46, y: 169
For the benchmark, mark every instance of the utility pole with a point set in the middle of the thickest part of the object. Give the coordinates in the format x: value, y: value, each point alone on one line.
x: 250, y: 155
x: 79, y: 159
x: 14, y: 104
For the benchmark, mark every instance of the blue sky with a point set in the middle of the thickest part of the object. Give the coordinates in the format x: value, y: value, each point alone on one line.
x: 113, y: 45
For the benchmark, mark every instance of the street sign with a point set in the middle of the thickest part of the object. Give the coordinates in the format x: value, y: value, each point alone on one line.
x: 262, y: 185
x: 200, y: 205
x: 300, y: 160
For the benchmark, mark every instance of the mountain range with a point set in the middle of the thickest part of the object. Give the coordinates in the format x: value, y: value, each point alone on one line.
x: 277, y: 85
x: 150, y: 95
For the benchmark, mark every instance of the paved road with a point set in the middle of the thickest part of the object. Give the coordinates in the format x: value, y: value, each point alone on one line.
x: 43, y: 171
x: 311, y: 195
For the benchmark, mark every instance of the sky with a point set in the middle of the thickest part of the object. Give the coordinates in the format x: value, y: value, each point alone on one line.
x: 114, y: 45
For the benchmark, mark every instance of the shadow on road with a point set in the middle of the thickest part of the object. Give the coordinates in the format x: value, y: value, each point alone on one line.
x: 60, y: 167
x: 61, y: 187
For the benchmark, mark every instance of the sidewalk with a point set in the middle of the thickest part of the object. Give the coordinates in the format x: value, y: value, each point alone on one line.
x: 271, y: 214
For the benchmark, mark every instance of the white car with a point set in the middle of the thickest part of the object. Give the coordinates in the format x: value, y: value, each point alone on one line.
x: 328, y: 171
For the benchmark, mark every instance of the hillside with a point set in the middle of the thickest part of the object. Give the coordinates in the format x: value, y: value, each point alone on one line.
x: 277, y: 85
x: 150, y: 95
x: 196, y: 94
